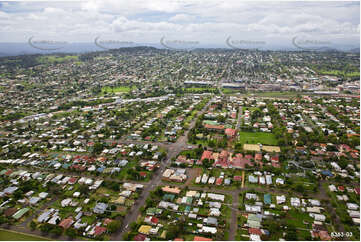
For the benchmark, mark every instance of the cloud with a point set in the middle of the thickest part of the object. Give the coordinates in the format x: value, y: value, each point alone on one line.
x: 145, y: 20
x: 182, y: 18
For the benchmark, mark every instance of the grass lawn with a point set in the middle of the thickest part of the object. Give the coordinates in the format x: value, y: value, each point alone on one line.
x: 339, y: 73
x: 296, y: 218
x: 119, y: 89
x: 200, y: 89
x: 12, y: 236
x: 57, y: 59
x: 230, y: 90
x: 257, y: 137
x: 251, y: 109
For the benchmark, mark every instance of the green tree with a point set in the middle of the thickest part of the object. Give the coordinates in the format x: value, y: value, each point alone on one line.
x: 32, y: 225
x: 56, y: 230
x: 71, y: 233
x: 207, y: 163
x: 98, y: 147
x: 113, y: 226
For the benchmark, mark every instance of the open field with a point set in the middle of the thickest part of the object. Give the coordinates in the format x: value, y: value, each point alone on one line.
x: 200, y: 90
x: 7, y: 235
x: 230, y: 90
x: 339, y: 73
x: 257, y: 137
x: 57, y: 59
x: 115, y: 89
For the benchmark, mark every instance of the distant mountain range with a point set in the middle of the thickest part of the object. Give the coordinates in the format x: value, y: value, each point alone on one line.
x: 14, y: 49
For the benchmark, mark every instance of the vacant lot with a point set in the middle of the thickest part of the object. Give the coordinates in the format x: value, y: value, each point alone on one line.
x: 12, y: 236
x: 257, y: 137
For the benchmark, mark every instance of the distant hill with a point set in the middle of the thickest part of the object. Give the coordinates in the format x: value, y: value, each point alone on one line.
x: 327, y: 49
x: 354, y: 50
x: 16, y: 49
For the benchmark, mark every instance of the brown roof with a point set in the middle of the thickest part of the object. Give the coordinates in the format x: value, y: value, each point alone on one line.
x: 324, y: 235
x: 10, y: 211
x: 169, y: 189
x: 66, y: 223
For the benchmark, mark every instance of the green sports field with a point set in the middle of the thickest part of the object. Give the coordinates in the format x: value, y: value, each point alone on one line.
x: 257, y: 137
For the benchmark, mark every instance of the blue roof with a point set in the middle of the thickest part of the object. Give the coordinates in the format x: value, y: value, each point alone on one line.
x: 101, y: 169
x: 267, y: 198
x: 327, y: 173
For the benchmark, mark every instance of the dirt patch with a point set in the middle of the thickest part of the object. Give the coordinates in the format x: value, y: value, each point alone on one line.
x: 192, y: 174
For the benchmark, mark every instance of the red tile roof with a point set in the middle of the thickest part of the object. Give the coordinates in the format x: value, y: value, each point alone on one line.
x: 341, y: 188
x: 8, y: 172
x: 207, y: 155
x: 258, y: 157
x: 216, y: 127
x: 275, y: 159
x: 72, y: 180
x: 107, y: 221
x: 230, y: 132
x: 154, y: 220
x: 254, y: 231
x: 237, y: 178
x: 248, y: 156
x: 139, y: 237
x: 143, y: 174
x: 99, y: 230
x: 239, y: 162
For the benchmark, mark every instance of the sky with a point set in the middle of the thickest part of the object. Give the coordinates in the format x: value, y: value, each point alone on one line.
x: 186, y: 22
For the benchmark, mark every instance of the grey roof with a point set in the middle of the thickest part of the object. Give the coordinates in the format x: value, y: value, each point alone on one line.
x: 100, y: 208
x: 212, y: 221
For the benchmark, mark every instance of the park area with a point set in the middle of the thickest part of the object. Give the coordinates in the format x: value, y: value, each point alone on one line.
x: 119, y: 89
x: 257, y: 137
x: 57, y: 59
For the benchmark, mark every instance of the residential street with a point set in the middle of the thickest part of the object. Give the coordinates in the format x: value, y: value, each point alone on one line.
x: 173, y: 151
